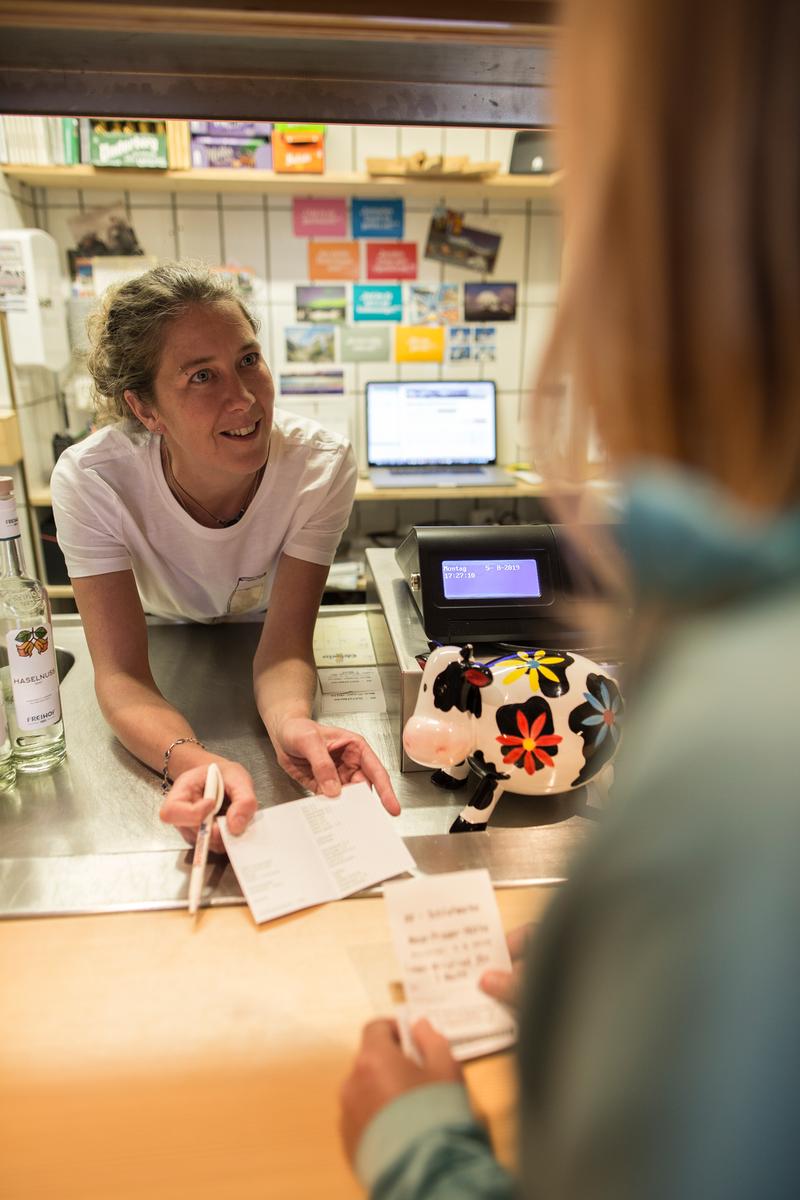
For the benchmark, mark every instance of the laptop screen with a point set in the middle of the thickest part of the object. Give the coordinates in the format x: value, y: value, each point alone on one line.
x: 431, y: 423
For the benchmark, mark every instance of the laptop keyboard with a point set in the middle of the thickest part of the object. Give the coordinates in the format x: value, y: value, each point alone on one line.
x: 457, y: 469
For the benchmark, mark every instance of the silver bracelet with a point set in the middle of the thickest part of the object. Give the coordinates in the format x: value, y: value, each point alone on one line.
x: 166, y: 782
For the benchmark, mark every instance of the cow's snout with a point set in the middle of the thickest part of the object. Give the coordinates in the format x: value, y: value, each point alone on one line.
x: 437, y: 741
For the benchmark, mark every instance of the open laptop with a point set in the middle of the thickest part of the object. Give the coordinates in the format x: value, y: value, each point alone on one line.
x: 432, y: 433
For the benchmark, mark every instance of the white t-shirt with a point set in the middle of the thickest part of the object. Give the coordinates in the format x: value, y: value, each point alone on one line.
x: 114, y: 512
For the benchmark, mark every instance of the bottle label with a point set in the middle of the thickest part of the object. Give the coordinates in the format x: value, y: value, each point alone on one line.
x: 34, y: 676
x: 3, y: 724
x: 9, y: 521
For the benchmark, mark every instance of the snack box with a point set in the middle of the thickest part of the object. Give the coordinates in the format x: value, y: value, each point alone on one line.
x: 231, y: 129
x: 118, y: 144
x: 299, y: 148
x: 232, y: 152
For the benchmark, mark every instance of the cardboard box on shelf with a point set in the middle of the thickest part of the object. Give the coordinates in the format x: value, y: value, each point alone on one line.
x: 127, y: 143
x: 299, y: 148
x: 231, y: 152
x: 231, y: 129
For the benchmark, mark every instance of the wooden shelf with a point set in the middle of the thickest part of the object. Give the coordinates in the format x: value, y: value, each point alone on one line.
x: 250, y: 180
x: 515, y: 489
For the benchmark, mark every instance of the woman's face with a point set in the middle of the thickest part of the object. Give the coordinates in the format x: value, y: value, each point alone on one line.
x: 214, y: 395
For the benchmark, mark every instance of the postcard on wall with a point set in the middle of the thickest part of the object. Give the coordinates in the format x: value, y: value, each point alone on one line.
x: 485, y: 344
x: 446, y: 930
x: 320, y: 303
x: 365, y: 343
x: 451, y: 241
x: 319, y: 217
x: 432, y: 304
x: 459, y: 343
x: 309, y: 343
x: 377, y: 302
x: 378, y: 219
x: 490, y: 301
x: 313, y: 383
x: 416, y: 343
x: 391, y: 260
x: 333, y: 260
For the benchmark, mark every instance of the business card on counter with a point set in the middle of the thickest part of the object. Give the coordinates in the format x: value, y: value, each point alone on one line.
x: 315, y: 849
x: 447, y: 931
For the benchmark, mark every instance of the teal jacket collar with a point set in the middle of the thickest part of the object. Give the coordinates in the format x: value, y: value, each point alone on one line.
x: 688, y: 543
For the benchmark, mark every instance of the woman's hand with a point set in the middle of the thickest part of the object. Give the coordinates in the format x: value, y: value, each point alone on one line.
x: 505, y: 985
x: 381, y: 1073
x: 321, y: 758
x: 185, y: 807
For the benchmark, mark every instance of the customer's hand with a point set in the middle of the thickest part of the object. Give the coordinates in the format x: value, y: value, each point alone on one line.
x: 322, y: 758
x: 381, y: 1073
x: 185, y: 807
x: 505, y: 985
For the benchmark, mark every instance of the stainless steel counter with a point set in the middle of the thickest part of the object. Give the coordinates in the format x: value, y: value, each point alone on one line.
x: 87, y: 836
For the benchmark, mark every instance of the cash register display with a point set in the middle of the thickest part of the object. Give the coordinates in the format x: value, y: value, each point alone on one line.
x: 491, y: 579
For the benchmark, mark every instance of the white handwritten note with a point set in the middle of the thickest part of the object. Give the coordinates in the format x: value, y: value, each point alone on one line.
x: 313, y: 850
x: 447, y: 931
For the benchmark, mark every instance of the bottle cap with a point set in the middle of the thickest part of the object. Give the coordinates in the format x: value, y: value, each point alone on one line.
x: 6, y: 486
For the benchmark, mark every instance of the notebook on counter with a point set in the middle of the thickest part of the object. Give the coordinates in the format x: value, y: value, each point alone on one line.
x: 432, y: 433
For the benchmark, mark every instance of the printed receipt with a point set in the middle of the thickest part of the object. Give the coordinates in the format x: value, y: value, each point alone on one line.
x: 447, y: 931
x: 313, y: 850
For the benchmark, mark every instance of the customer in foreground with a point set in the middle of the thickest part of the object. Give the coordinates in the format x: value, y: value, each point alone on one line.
x: 658, y: 1055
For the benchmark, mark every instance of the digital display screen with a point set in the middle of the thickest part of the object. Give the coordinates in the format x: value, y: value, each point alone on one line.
x: 491, y: 579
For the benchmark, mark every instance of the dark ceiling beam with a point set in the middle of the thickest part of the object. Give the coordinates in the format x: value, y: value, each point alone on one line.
x: 410, y: 64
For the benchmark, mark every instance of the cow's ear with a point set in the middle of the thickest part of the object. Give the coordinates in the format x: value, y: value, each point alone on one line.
x: 421, y: 660
x: 478, y: 676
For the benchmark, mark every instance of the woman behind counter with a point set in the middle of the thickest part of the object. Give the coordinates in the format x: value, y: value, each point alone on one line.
x: 197, y: 500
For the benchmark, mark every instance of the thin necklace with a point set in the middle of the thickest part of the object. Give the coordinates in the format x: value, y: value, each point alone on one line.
x: 223, y: 523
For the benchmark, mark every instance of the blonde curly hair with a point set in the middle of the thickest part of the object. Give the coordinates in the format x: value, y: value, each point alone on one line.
x: 127, y: 331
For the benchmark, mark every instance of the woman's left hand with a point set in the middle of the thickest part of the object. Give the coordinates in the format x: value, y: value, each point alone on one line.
x: 322, y: 758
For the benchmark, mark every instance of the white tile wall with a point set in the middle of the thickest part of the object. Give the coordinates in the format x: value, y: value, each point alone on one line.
x: 256, y: 231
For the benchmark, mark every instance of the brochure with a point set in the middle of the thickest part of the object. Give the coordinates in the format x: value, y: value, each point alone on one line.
x: 313, y: 850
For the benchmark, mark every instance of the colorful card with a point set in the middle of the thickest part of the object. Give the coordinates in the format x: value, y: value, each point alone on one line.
x: 415, y: 343
x: 467, y: 343
x: 432, y: 304
x: 309, y: 343
x: 459, y: 343
x: 451, y: 241
x: 333, y: 260
x: 320, y: 303
x: 372, y: 302
x: 365, y: 344
x: 319, y: 217
x: 378, y: 218
x: 485, y: 344
x: 391, y: 260
x: 314, y: 383
x: 490, y: 301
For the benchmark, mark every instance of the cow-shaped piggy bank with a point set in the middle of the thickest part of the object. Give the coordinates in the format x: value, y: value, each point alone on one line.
x: 533, y: 721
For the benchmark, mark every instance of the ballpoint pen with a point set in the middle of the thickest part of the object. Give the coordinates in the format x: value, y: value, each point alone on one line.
x: 214, y: 790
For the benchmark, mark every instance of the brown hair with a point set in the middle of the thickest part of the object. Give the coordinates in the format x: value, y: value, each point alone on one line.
x: 127, y: 330
x: 680, y: 313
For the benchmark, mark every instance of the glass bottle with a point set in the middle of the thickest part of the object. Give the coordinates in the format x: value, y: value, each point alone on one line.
x: 8, y: 770
x: 30, y: 680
